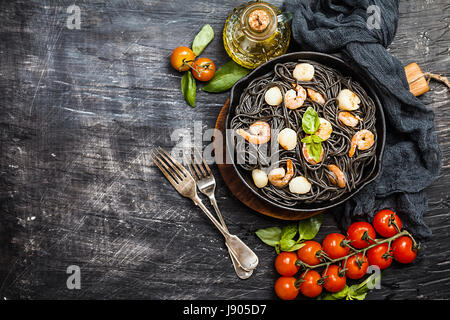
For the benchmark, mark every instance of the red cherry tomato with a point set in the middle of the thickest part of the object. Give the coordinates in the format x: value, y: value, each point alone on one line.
x: 384, y: 223
x: 285, y: 264
x: 334, y: 282
x: 334, y: 245
x: 182, y: 58
x: 310, y: 253
x: 285, y: 288
x: 310, y: 286
x: 403, y: 250
x: 356, y: 266
x: 361, y: 234
x: 379, y: 256
x: 203, y: 69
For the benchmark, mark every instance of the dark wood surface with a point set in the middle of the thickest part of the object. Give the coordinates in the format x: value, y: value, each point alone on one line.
x: 80, y: 111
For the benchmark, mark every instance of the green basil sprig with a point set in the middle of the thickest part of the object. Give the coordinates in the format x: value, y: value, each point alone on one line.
x: 313, y: 146
x: 225, y: 77
x: 354, y: 292
x: 310, y: 121
x: 189, y: 88
x: 283, y: 239
x: 308, y: 228
x: 310, y: 125
x: 202, y: 39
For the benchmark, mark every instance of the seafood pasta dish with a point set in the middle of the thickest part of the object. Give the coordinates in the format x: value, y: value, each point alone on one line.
x: 306, y: 133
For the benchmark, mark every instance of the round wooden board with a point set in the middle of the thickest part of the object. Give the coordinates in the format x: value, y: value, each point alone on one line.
x: 237, y: 187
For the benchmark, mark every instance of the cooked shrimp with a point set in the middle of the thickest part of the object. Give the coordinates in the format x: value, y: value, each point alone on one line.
x: 336, y: 176
x: 279, y: 177
x: 294, y: 98
x: 363, y: 140
x: 308, y: 157
x: 316, y: 96
x: 349, y: 119
x: 325, y: 129
x: 258, y: 133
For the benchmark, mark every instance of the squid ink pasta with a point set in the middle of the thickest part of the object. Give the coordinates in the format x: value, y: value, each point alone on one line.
x: 322, y: 125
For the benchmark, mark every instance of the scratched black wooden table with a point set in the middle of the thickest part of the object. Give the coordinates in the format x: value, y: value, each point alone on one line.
x: 80, y: 110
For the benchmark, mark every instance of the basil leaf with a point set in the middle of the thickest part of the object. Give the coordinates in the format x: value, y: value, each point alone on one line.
x: 289, y: 232
x: 188, y: 88
x: 290, y: 245
x: 287, y: 244
x: 341, y: 294
x: 310, y: 121
x: 334, y: 296
x: 308, y: 228
x: 314, y: 150
x: 270, y: 236
x: 357, y: 297
x: 297, y: 246
x: 316, y: 138
x: 359, y: 291
x: 225, y: 77
x: 307, y: 139
x: 202, y: 39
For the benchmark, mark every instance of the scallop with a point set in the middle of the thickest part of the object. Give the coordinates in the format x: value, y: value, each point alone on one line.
x: 303, y: 72
x: 348, y: 100
x: 273, y: 96
x: 287, y: 138
x: 260, y: 178
x: 299, y: 185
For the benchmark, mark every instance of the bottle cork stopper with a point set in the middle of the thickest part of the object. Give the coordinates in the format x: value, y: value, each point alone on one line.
x: 418, y: 84
x: 259, y: 20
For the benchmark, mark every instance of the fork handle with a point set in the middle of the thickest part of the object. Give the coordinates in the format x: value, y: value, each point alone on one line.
x: 241, y: 272
x: 200, y: 204
x: 222, y: 229
x: 246, y: 258
x: 213, y: 201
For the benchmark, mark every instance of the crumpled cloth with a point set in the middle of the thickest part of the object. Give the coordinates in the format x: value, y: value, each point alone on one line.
x: 412, y: 157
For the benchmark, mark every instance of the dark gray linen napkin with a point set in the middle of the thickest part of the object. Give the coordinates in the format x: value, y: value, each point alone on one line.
x: 412, y: 157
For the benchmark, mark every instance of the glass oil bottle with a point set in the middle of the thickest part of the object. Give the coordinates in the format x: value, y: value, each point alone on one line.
x: 256, y: 32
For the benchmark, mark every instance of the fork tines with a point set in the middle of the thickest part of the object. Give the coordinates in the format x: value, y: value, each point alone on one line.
x: 197, y: 165
x: 171, y: 168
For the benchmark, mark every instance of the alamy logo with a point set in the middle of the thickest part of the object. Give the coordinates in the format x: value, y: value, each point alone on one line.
x: 376, y: 280
x: 374, y: 19
x: 74, y: 280
x: 74, y: 19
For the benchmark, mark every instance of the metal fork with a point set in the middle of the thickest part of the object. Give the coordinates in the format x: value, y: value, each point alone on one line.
x: 184, y: 183
x: 207, y: 185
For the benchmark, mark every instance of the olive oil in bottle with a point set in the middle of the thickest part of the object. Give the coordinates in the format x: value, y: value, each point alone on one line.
x: 256, y: 32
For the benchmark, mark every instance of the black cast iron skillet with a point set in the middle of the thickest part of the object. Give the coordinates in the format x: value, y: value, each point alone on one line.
x: 346, y: 70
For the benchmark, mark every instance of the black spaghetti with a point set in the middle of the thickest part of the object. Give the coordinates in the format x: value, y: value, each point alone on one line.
x: 356, y: 166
